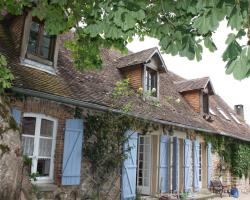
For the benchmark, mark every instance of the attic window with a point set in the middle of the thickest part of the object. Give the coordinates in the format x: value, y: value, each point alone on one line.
x: 151, y: 82
x: 39, y: 50
x: 212, y: 112
x: 40, y: 44
x: 235, y: 118
x: 223, y: 114
x: 205, y: 103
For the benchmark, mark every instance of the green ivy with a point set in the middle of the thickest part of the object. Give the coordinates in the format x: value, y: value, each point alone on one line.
x: 5, y: 75
x: 236, y: 153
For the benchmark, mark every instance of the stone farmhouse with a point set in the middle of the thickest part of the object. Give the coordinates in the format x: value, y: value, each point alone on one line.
x: 174, y: 158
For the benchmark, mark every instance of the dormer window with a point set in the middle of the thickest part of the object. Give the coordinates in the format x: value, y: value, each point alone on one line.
x: 39, y: 50
x: 151, y: 82
x: 40, y: 44
x: 205, y: 103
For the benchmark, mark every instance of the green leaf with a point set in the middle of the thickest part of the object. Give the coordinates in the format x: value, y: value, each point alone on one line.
x: 235, y: 18
x: 241, y: 65
x: 230, y: 66
x: 230, y: 38
x: 210, y: 44
x: 232, y: 51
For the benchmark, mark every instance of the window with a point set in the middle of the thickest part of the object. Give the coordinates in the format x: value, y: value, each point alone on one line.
x: 205, y: 103
x: 211, y: 111
x: 223, y: 114
x: 40, y: 44
x: 38, y: 142
x: 235, y: 118
x: 151, y: 82
x: 39, y: 50
x: 144, y: 164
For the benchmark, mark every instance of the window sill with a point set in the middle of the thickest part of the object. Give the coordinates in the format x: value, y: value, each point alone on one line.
x: 36, y: 65
x: 46, y: 187
x: 151, y: 98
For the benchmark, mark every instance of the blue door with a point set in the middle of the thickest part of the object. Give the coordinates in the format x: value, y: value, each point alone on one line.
x: 129, y: 167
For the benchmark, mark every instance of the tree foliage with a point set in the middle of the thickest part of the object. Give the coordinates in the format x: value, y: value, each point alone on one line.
x: 183, y: 27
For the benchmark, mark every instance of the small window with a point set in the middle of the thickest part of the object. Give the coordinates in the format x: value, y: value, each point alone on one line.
x: 40, y: 44
x: 151, y: 82
x: 235, y: 118
x: 211, y: 111
x: 205, y: 103
x: 223, y: 114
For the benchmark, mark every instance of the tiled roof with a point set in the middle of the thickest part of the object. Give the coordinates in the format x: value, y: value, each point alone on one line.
x: 192, y: 84
x: 220, y: 123
x: 229, y: 127
x: 135, y: 58
x: 96, y: 86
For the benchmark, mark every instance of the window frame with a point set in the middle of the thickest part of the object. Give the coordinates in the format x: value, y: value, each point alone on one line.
x: 235, y: 118
x: 35, y: 156
x: 146, y: 76
x: 223, y: 114
x: 37, y: 55
x: 29, y: 60
x: 205, y: 108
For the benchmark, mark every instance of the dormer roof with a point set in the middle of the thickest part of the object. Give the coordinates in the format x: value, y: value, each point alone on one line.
x: 195, y: 84
x: 141, y: 57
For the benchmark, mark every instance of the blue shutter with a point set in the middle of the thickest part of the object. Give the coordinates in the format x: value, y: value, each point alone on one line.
x: 175, y: 164
x: 164, y: 164
x: 129, y: 167
x: 187, y: 164
x: 209, y: 163
x: 16, y: 114
x: 196, y: 165
x: 72, y: 154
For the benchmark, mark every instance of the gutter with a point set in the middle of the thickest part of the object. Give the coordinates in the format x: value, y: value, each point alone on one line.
x: 95, y: 106
x: 232, y: 136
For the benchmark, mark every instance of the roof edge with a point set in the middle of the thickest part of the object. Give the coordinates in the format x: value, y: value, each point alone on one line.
x: 91, y: 105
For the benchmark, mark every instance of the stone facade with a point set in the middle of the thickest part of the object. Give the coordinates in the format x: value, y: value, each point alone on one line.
x: 226, y: 177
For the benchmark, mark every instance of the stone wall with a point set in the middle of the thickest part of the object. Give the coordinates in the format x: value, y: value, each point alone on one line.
x: 241, y: 183
x: 10, y: 158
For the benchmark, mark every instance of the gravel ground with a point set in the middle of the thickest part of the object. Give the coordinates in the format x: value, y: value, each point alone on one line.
x: 243, y: 196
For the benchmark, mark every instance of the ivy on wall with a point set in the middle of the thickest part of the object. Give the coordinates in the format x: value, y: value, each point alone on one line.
x: 235, y: 153
x: 5, y: 75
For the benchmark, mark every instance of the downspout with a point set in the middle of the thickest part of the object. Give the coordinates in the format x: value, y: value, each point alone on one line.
x: 99, y: 107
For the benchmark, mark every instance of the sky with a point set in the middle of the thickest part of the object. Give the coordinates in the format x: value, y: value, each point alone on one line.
x: 231, y: 90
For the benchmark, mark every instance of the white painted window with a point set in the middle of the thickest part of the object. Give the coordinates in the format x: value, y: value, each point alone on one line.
x: 223, y: 113
x: 144, y: 164
x: 38, y: 143
x: 235, y: 118
x: 211, y: 111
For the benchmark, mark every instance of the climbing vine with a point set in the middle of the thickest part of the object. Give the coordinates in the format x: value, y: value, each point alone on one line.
x: 5, y: 75
x: 104, y: 137
x: 235, y: 153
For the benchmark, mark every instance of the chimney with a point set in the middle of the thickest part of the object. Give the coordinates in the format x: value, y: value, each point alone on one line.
x: 239, y: 109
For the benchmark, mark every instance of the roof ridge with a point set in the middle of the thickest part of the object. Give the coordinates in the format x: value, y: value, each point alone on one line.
x: 193, y: 79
